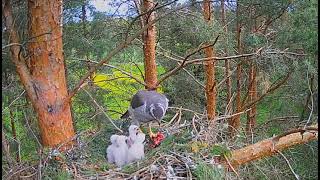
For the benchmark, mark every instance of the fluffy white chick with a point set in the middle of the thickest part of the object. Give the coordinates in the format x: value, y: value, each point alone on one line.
x: 120, y: 152
x: 136, y: 151
x: 133, y: 132
x: 111, y: 147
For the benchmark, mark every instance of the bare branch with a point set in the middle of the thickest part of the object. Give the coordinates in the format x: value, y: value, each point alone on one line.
x: 109, y: 119
x: 119, y: 69
x: 270, y: 90
x: 185, y: 62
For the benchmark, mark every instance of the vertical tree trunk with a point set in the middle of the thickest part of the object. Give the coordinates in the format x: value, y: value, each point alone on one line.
x: 48, y: 71
x: 234, y: 123
x: 5, y: 149
x: 209, y: 68
x: 252, y: 93
x: 45, y: 81
x: 227, y: 63
x: 14, y: 132
x: 149, y: 47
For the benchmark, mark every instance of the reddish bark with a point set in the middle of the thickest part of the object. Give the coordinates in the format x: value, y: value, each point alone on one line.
x: 45, y: 81
x: 48, y: 71
x: 149, y: 47
x: 234, y: 123
x: 252, y: 92
x: 209, y: 68
x: 226, y: 62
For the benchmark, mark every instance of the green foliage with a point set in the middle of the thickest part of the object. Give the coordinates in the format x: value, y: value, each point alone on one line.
x: 120, y: 87
x: 206, y: 172
x: 220, y: 150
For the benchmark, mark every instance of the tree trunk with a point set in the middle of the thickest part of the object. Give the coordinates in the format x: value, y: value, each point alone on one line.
x: 48, y: 71
x: 149, y: 46
x: 234, y: 123
x: 227, y: 63
x: 251, y: 115
x: 271, y: 146
x: 14, y: 132
x: 209, y: 68
x: 45, y: 81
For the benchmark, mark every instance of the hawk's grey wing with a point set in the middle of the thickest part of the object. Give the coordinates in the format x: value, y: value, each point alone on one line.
x: 137, y: 100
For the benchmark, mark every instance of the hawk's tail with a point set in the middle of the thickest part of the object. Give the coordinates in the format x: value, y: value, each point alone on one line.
x: 125, y: 115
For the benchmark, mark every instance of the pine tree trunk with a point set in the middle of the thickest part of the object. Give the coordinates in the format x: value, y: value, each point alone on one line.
x: 209, y: 68
x: 149, y: 47
x: 251, y: 115
x: 45, y: 81
x: 48, y: 71
x: 252, y: 94
x: 227, y: 63
x: 234, y: 123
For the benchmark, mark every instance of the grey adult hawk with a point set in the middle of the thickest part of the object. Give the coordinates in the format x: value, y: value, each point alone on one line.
x: 147, y: 106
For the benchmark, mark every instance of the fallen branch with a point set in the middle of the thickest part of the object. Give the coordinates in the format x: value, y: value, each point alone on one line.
x: 272, y: 146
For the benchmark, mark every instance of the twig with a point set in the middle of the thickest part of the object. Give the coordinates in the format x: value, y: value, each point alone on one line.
x: 184, y: 62
x: 194, y: 78
x: 27, y: 122
x: 109, y: 119
x: 11, y: 44
x: 13, y: 101
x: 287, y: 161
x: 270, y: 90
x: 184, y: 109
x: 119, y: 69
x: 230, y: 165
x: 236, y: 114
x: 311, y: 98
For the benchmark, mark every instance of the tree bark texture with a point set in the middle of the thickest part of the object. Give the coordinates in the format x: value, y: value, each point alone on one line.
x: 209, y: 68
x: 149, y: 46
x: 234, y: 123
x: 48, y: 71
x: 270, y: 147
x: 252, y: 92
x: 227, y: 63
x: 44, y: 77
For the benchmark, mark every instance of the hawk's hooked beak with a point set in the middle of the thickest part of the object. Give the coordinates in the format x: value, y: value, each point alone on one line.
x: 159, y: 122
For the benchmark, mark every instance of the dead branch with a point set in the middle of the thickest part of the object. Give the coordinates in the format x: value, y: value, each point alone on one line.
x: 270, y: 90
x: 271, y: 146
x: 121, y: 70
x: 185, y: 62
x: 109, y: 119
x: 287, y: 161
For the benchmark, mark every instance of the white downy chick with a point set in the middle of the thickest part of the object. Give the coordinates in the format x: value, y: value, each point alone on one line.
x: 136, y: 151
x: 133, y: 132
x: 111, y: 147
x: 120, y: 152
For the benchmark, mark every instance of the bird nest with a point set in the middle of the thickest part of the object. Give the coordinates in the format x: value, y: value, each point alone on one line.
x: 178, y: 156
